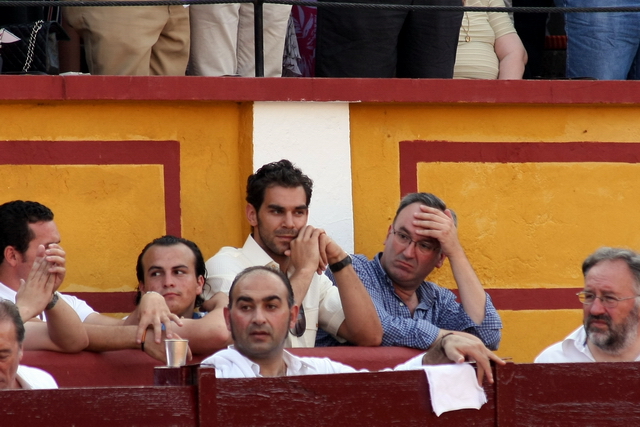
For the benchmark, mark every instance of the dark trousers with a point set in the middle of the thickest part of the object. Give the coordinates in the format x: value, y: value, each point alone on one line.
x: 387, y: 43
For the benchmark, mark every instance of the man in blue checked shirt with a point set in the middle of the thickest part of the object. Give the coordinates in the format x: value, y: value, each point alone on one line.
x: 413, y: 311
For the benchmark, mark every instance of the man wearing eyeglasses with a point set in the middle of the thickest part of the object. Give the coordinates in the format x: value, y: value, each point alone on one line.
x: 611, y: 312
x: 278, y: 198
x: 413, y: 311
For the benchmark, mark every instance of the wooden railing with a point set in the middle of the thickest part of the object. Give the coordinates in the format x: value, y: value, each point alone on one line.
x: 523, y: 395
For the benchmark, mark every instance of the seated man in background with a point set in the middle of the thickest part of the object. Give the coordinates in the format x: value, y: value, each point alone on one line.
x: 260, y: 313
x: 171, y: 272
x: 611, y: 312
x: 416, y: 313
x: 278, y: 198
x: 12, y: 374
x: 30, y: 276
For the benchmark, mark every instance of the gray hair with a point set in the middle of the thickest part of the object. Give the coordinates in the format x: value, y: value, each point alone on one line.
x: 612, y: 254
x: 426, y: 199
x: 9, y: 312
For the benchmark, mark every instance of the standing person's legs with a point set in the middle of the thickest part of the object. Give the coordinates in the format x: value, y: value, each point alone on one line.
x: 600, y: 45
x: 170, y: 54
x: 358, y: 42
x: 428, y: 42
x: 118, y: 40
x: 275, y: 21
x: 214, y: 39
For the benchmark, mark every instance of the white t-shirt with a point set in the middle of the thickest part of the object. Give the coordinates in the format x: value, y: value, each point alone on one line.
x: 79, y: 306
x: 34, y: 378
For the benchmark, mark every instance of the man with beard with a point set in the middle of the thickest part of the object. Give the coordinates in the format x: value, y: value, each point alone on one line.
x: 260, y: 313
x: 610, y: 323
x: 278, y: 197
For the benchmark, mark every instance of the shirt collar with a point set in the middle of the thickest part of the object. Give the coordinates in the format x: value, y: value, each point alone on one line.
x: 425, y: 292
x: 255, y: 253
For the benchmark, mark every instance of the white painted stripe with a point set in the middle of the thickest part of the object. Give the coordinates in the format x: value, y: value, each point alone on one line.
x: 315, y: 137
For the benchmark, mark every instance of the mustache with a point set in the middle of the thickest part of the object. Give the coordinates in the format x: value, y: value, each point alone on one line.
x: 286, y: 232
x: 602, y: 317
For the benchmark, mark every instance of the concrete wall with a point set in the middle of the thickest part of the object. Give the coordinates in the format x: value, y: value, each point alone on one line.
x: 540, y: 173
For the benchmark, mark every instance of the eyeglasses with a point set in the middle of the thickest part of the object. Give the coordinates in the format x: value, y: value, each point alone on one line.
x: 424, y: 246
x: 609, y: 301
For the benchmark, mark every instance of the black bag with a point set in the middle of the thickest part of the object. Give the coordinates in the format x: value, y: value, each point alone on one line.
x: 37, y: 50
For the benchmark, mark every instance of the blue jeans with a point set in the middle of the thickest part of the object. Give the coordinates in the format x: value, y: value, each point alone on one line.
x: 603, y: 45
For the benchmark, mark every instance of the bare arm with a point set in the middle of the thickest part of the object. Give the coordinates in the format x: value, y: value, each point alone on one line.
x: 439, y: 225
x: 361, y: 323
x: 512, y: 56
x: 205, y: 335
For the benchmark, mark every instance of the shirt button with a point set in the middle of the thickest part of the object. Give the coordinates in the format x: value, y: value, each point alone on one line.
x: 401, y: 304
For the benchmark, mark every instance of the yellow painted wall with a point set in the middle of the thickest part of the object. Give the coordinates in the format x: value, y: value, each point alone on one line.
x: 524, y: 225
x: 106, y: 214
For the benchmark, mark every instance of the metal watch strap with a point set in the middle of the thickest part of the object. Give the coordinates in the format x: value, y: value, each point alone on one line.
x: 340, y: 264
x: 53, y: 302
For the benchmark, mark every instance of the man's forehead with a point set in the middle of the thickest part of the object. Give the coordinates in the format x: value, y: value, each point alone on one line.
x: 610, y: 274
x: 44, y: 232
x: 171, y: 256
x: 257, y: 285
x: 285, y: 196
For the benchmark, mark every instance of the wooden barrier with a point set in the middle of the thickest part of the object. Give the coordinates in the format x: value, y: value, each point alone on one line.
x: 603, y: 394
x: 135, y: 368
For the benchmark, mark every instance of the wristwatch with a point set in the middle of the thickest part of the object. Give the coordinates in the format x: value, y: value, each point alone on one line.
x: 340, y: 264
x: 54, y: 301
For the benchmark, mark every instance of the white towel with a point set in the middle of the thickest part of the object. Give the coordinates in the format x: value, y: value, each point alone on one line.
x: 453, y: 387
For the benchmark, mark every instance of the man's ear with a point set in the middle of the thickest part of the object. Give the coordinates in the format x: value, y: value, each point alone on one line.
x: 141, y: 287
x: 227, y: 318
x: 200, y: 284
x: 12, y: 256
x: 441, y: 260
x: 389, y: 231
x: 252, y: 215
x: 293, y: 315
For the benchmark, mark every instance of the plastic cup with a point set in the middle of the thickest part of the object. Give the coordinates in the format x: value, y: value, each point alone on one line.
x: 176, y: 352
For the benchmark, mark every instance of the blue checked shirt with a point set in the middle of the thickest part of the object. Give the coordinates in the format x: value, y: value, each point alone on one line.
x: 437, y: 309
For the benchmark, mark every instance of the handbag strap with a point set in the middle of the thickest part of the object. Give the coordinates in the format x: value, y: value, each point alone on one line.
x: 32, y: 43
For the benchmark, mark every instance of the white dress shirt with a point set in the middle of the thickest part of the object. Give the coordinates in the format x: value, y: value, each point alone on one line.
x: 322, y: 305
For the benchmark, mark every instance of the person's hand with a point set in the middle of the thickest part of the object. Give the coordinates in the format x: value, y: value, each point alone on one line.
x: 154, y: 312
x: 36, y: 293
x: 330, y: 251
x: 56, y: 256
x: 304, y: 252
x: 438, y: 225
x: 154, y: 346
x: 459, y: 347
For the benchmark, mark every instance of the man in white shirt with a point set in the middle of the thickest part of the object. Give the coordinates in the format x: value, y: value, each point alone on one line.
x: 260, y: 313
x: 12, y: 374
x: 611, y: 312
x: 278, y: 197
x: 32, y: 267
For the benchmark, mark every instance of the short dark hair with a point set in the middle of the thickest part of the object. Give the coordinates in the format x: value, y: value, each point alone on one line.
x: 261, y: 268
x: 15, y: 218
x: 9, y: 312
x: 426, y: 199
x: 283, y: 174
x: 631, y: 258
x: 201, y: 269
